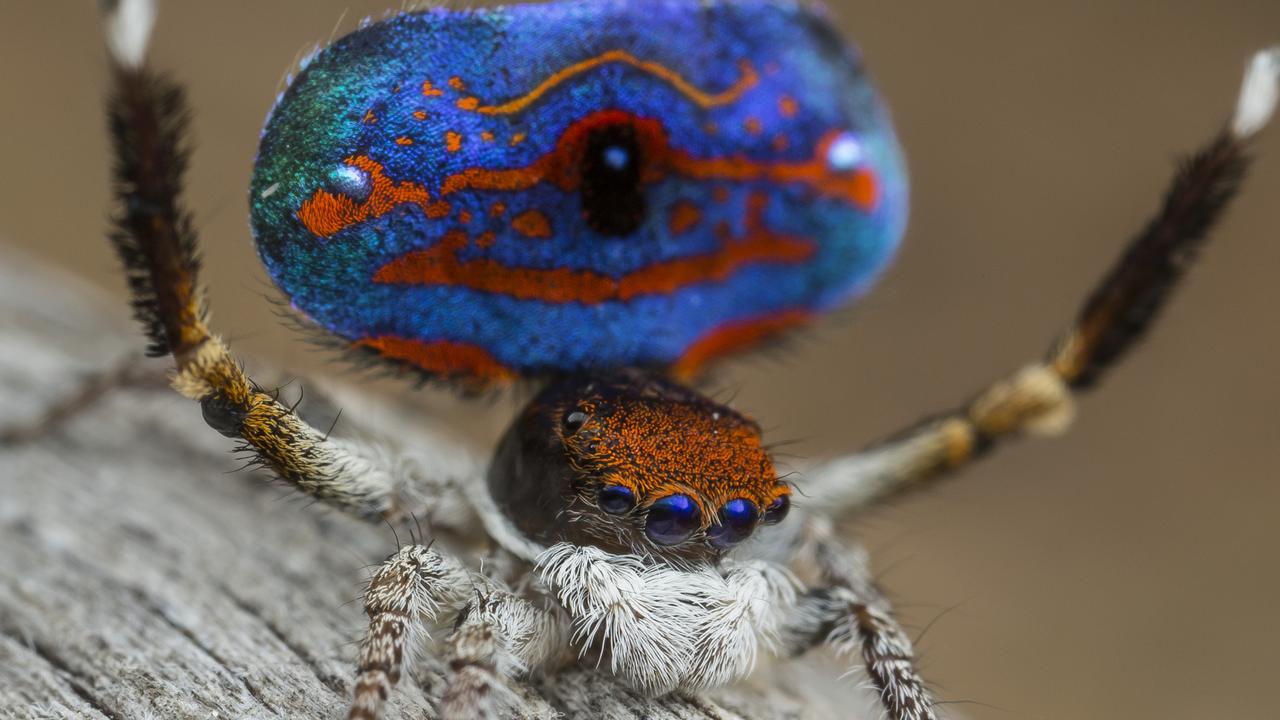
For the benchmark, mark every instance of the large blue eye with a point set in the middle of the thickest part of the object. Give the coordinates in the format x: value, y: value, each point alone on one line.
x: 672, y: 519
x: 615, y: 499
x: 777, y: 510
x: 737, y: 520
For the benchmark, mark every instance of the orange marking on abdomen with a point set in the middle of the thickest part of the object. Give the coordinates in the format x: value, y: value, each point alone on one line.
x: 684, y: 215
x: 439, y: 265
x: 532, y: 223
x: 858, y: 187
x: 429, y: 90
x: 419, y: 114
x: 732, y: 337
x: 404, y: 140
x: 442, y: 357
x: 787, y: 106
x: 326, y: 213
x: 456, y: 83
x: 746, y: 80
x: 562, y: 166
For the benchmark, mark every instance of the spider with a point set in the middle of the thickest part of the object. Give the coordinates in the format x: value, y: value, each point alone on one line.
x: 600, y: 198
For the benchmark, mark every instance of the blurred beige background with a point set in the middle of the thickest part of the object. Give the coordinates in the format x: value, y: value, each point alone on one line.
x: 1127, y: 570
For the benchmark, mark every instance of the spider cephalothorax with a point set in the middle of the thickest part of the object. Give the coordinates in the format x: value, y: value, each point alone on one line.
x: 633, y: 462
x: 610, y: 195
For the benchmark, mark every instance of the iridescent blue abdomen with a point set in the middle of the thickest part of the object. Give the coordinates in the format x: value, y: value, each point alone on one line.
x: 488, y: 194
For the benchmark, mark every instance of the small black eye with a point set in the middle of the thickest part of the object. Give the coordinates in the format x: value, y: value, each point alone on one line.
x: 777, y: 510
x: 616, y: 499
x: 574, y: 421
x: 613, y: 202
x: 672, y: 519
x: 736, y: 522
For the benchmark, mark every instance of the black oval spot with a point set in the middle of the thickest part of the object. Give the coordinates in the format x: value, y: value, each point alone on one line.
x: 613, y: 201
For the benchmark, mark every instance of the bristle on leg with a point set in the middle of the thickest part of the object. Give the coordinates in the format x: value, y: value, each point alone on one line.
x: 127, y: 26
x: 1258, y: 94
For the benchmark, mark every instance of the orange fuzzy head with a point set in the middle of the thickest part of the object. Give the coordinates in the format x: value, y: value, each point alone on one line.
x: 635, y: 462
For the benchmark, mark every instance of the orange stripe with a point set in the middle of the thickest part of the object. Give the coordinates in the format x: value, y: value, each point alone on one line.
x: 325, y: 213
x: 442, y: 357
x: 746, y: 81
x: 857, y: 188
x: 730, y: 338
x: 439, y: 265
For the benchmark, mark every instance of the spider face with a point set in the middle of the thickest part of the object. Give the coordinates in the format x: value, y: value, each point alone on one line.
x: 635, y: 462
x: 542, y: 189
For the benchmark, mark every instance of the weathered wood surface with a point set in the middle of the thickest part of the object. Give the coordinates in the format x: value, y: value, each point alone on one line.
x: 140, y: 578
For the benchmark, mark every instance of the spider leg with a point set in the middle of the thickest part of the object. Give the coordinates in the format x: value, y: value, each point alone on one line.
x: 498, y: 636
x: 414, y: 588
x: 852, y: 615
x: 1114, y: 318
x: 156, y: 241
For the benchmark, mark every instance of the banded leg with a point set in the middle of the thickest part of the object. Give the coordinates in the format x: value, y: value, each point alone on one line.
x: 415, y: 588
x: 156, y: 242
x: 498, y: 637
x: 1038, y: 398
x: 853, y: 616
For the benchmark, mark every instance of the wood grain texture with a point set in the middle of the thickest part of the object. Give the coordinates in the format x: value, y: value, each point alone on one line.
x: 140, y: 578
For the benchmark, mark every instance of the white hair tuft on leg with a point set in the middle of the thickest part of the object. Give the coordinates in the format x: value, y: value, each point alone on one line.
x: 1259, y: 93
x: 127, y: 25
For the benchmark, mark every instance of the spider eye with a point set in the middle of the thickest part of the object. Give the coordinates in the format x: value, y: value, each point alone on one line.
x: 616, y: 499
x: 672, y: 519
x: 613, y: 202
x: 574, y: 421
x: 737, y: 519
x: 777, y: 510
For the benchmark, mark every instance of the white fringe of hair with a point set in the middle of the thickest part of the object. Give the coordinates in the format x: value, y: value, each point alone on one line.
x: 127, y: 25
x: 1258, y: 94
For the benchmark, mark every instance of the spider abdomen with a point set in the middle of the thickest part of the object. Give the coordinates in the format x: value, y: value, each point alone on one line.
x: 563, y: 187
